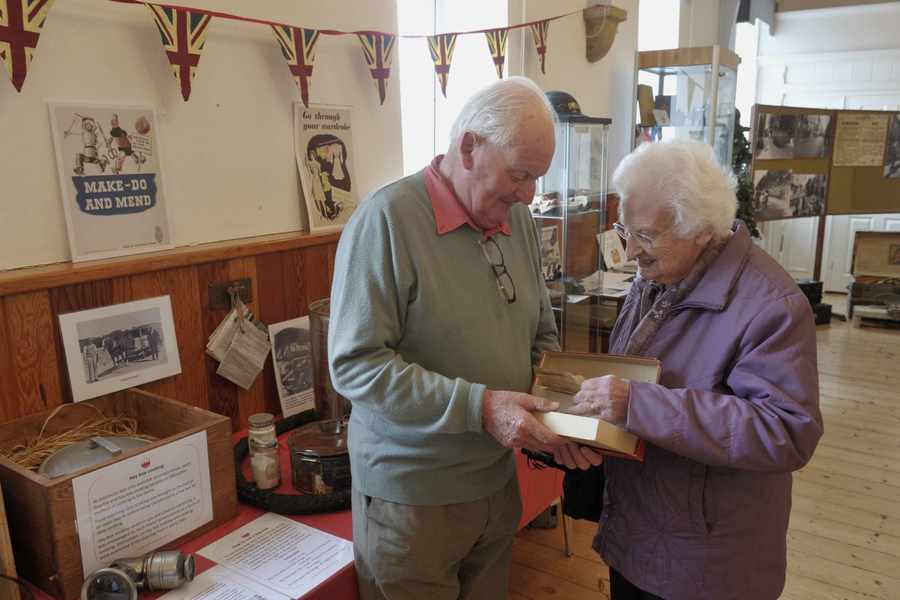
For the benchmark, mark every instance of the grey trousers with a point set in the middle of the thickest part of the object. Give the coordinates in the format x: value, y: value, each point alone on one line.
x: 453, y: 552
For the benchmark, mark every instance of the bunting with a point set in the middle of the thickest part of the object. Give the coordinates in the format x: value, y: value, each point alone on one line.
x: 377, y: 48
x: 441, y: 47
x: 298, y: 45
x: 496, y: 39
x: 539, y: 32
x: 21, y: 22
x: 183, y: 34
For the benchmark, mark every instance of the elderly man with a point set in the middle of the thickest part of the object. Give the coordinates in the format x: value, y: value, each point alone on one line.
x: 705, y: 515
x: 438, y: 312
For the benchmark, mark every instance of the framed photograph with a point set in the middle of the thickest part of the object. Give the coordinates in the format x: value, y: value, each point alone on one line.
x: 811, y: 136
x: 892, y: 151
x: 292, y: 358
x: 109, y: 169
x: 894, y: 254
x: 788, y: 195
x: 551, y: 257
x: 774, y: 136
x: 323, y: 145
x: 120, y: 346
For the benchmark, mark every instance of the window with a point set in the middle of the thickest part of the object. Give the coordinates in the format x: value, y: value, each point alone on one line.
x: 426, y: 116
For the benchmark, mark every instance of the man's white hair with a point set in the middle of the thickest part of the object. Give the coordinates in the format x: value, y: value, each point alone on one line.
x: 683, y: 174
x: 495, y: 111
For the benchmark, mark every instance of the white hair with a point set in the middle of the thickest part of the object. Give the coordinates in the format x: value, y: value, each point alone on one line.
x: 495, y: 111
x: 682, y: 173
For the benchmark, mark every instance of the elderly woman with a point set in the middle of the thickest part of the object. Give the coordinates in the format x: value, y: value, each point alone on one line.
x: 705, y: 515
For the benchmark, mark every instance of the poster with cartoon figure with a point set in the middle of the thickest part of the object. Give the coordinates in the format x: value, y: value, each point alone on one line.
x: 109, y: 172
x: 323, y: 144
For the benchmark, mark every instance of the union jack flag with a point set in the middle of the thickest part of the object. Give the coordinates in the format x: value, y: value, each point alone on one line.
x: 539, y: 32
x: 377, y: 48
x: 441, y: 47
x: 298, y: 45
x: 20, y: 27
x: 496, y: 39
x: 183, y: 34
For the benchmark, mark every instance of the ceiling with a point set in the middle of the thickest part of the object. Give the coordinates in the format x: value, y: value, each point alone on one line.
x: 789, y: 5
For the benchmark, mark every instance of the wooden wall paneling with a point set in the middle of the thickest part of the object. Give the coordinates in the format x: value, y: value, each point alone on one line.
x: 32, y: 332
x: 191, y: 384
x: 151, y: 285
x: 272, y: 309
x: 315, y: 273
x: 293, y: 286
x: 8, y: 401
x: 253, y: 400
x: 222, y: 394
x: 73, y: 298
x: 121, y: 290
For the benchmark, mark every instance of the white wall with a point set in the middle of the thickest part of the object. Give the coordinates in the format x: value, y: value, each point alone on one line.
x: 228, y: 165
x: 603, y: 89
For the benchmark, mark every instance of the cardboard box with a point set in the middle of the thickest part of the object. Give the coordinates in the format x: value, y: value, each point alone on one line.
x: 42, y: 510
x: 592, y: 431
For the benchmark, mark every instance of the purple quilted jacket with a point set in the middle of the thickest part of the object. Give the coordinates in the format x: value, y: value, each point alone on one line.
x: 705, y: 515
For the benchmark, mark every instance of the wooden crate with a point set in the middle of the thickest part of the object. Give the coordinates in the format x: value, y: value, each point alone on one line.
x: 7, y: 563
x: 875, y: 268
x: 42, y: 510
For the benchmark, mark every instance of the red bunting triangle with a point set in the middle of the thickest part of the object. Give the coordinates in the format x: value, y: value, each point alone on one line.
x: 539, y: 32
x: 377, y: 49
x: 298, y: 45
x: 21, y: 22
x: 496, y: 39
x: 441, y: 47
x: 183, y: 34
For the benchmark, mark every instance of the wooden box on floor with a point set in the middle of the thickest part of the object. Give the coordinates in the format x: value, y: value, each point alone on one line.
x: 875, y: 269
x: 42, y: 511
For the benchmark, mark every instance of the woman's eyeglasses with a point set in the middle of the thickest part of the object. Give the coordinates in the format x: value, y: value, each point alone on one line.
x: 643, y: 239
x: 491, y: 250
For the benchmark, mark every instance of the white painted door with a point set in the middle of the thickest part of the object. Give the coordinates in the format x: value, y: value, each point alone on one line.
x: 792, y: 242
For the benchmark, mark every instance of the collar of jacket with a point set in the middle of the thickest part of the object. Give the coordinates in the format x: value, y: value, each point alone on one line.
x: 715, y: 287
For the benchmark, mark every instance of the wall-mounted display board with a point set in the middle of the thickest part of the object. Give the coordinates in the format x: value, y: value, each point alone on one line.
x: 791, y: 161
x: 857, y: 151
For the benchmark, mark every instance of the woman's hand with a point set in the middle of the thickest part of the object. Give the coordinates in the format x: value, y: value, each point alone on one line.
x: 605, y: 397
x: 575, y: 456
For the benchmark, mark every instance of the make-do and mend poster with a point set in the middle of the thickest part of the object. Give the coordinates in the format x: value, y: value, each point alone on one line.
x: 110, y: 178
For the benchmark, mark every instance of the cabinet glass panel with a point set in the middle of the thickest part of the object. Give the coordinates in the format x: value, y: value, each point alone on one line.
x: 569, y: 210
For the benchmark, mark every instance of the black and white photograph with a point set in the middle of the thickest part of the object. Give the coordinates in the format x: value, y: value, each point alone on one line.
x: 788, y: 195
x: 892, y: 152
x: 292, y: 359
x: 811, y: 135
x: 551, y: 257
x: 119, y: 346
x: 775, y: 136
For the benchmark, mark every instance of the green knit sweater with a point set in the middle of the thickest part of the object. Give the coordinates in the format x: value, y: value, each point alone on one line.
x: 418, y: 331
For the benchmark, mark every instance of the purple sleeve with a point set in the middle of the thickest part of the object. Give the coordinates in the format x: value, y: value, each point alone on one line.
x: 770, y: 421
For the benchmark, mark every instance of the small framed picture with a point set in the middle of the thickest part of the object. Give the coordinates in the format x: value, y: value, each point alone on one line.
x: 292, y: 358
x: 110, y: 176
x: 120, y: 346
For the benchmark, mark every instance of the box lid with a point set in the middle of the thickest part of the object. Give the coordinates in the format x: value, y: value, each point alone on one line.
x: 876, y: 254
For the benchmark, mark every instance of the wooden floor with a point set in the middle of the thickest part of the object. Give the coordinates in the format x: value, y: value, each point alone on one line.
x: 844, y: 538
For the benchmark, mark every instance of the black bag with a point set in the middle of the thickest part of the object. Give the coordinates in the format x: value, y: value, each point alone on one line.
x: 582, y: 490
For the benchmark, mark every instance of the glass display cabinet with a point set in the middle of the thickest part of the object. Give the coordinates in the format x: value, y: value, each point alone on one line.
x: 678, y: 96
x: 569, y: 209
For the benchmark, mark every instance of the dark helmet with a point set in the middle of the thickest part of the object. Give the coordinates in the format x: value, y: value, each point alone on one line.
x: 563, y: 103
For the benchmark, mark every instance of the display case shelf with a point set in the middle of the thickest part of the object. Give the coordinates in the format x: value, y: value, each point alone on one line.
x: 568, y: 233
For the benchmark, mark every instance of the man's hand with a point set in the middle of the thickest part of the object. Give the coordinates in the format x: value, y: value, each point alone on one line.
x: 605, y: 397
x: 576, y: 456
x: 507, y: 416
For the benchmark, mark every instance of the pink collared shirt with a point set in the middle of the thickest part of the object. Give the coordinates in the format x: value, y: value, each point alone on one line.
x: 449, y: 213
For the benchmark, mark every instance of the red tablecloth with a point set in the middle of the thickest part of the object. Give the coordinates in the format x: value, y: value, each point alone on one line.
x: 540, y: 488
